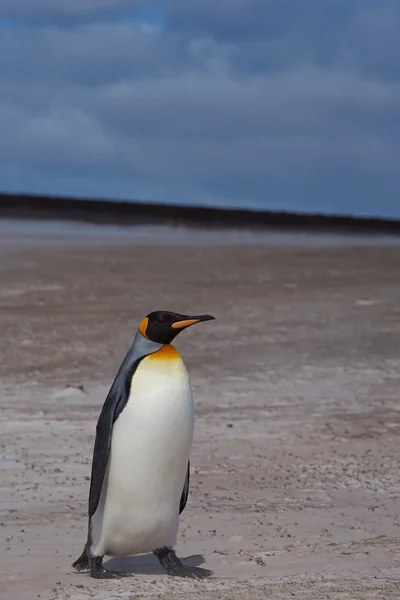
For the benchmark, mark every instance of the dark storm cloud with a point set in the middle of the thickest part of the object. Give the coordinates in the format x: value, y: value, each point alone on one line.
x: 260, y: 103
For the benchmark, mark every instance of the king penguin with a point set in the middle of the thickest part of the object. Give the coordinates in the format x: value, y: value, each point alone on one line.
x: 140, y: 469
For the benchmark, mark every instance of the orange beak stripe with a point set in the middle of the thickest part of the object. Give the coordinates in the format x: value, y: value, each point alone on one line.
x: 185, y: 323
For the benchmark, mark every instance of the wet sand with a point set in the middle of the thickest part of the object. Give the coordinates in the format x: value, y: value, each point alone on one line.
x: 295, y: 488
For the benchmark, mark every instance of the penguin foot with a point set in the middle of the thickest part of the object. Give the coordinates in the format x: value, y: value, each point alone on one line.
x: 97, y: 571
x: 175, y: 568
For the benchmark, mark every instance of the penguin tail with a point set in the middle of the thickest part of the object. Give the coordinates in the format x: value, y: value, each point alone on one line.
x: 81, y: 563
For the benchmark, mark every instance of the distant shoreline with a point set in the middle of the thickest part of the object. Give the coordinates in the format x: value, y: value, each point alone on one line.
x: 21, y: 206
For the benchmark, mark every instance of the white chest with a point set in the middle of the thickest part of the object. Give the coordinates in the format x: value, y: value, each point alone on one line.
x: 150, y: 449
x: 160, y: 404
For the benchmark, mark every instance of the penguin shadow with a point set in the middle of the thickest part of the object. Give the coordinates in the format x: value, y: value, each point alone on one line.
x: 147, y: 564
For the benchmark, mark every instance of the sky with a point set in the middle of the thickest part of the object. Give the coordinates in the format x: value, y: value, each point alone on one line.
x: 271, y: 104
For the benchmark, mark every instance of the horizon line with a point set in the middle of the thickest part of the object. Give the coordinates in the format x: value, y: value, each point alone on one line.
x: 131, y: 212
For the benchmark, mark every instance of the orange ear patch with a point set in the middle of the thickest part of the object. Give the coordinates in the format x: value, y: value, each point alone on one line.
x: 167, y: 352
x: 143, y: 327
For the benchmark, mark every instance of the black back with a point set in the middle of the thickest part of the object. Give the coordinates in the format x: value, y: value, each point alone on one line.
x: 113, y: 406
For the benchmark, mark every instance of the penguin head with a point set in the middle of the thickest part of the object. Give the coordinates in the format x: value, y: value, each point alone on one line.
x: 162, y: 326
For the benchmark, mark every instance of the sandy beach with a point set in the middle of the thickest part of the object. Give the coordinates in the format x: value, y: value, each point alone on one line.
x: 295, y: 490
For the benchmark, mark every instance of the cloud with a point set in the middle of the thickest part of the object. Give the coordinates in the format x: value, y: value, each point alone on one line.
x: 357, y: 35
x: 255, y: 103
x: 48, y: 10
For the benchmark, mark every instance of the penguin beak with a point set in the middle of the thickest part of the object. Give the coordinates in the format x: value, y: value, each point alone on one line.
x: 191, y: 321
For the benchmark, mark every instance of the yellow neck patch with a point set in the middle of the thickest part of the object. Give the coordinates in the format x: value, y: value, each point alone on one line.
x: 167, y: 352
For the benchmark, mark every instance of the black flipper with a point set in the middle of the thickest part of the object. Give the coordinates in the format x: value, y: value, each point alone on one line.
x: 113, y: 406
x: 185, y: 493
